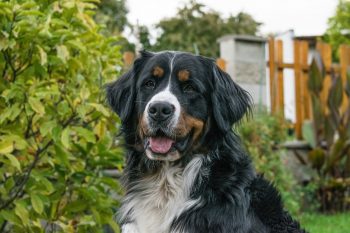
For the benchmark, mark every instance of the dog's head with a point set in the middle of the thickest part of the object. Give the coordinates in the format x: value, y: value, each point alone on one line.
x: 173, y: 103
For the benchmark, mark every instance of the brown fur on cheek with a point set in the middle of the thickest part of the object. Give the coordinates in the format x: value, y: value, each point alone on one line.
x: 188, y: 123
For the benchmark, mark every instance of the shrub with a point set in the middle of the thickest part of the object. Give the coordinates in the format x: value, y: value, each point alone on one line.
x: 330, y: 137
x: 56, y: 136
x: 262, y: 137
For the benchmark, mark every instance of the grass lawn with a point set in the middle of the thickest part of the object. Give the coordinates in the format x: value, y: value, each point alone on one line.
x: 321, y: 223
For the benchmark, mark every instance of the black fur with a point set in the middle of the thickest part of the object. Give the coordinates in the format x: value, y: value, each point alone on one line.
x: 233, y: 198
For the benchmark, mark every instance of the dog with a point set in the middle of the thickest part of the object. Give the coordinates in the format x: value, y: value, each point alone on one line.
x: 186, y: 171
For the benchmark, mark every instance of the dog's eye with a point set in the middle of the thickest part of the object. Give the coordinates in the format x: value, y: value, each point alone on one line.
x: 188, y: 88
x: 150, y: 84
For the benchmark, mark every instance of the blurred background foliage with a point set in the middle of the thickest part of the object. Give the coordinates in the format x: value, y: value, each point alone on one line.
x: 56, y: 135
x: 338, y: 31
x: 113, y: 15
x: 196, y: 29
x: 263, y: 136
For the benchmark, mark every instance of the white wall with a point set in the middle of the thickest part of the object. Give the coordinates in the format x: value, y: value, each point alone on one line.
x: 288, y: 74
x: 226, y: 53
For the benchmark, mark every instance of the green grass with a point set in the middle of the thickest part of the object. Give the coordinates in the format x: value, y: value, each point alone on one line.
x: 321, y: 223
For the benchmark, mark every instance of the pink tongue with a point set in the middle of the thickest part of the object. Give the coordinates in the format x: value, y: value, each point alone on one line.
x: 160, y: 145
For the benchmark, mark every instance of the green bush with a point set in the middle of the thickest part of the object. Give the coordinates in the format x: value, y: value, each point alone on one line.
x: 262, y: 137
x: 56, y: 136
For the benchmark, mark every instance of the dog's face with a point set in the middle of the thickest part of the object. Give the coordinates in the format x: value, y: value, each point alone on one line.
x: 171, y: 101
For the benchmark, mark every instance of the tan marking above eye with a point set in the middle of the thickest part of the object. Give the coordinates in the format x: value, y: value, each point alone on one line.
x: 183, y: 75
x: 158, y: 72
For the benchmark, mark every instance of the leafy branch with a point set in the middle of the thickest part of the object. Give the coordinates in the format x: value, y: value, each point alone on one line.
x: 21, y: 185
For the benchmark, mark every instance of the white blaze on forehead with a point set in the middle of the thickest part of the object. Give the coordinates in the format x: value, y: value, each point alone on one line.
x: 171, y: 69
x: 167, y: 96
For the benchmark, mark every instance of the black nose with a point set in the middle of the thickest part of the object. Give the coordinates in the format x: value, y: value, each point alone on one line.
x: 160, y: 111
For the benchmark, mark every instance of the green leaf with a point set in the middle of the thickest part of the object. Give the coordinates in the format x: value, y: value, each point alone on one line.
x: 6, y: 147
x: 77, y: 206
x: 22, y: 213
x: 43, y: 56
x: 14, y: 161
x: 335, y: 154
x: 9, y: 184
x: 56, y: 133
x: 19, y: 142
x: 39, y: 178
x: 88, y: 135
x: 77, y: 44
x: 84, y: 93
x: 62, y: 53
x: 308, y: 133
x: 65, y: 138
x: 100, y: 108
x: 317, y: 72
x: 15, y: 111
x: 335, y: 96
x: 61, y: 155
x: 10, y: 216
x: 47, y: 127
x: 36, y: 105
x: 37, y: 203
x: 48, y: 186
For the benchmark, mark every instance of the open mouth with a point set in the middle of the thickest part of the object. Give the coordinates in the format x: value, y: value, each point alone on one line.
x: 163, y: 147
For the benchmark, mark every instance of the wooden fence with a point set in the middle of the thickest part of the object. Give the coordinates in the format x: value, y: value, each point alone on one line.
x: 301, y: 73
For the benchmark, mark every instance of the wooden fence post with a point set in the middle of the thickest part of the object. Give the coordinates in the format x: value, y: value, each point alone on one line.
x: 344, y: 52
x: 298, y: 99
x: 272, y: 72
x: 280, y: 81
x: 306, y: 100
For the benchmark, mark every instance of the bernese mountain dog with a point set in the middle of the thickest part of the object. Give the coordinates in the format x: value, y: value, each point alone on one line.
x: 186, y: 170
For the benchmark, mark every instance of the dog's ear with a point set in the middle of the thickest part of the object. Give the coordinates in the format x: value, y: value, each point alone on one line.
x: 121, y: 93
x: 230, y: 101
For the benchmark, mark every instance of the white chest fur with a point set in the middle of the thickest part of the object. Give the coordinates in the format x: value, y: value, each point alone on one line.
x: 154, y: 202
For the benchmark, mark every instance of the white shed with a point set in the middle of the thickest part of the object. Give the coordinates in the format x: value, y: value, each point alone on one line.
x: 245, y: 58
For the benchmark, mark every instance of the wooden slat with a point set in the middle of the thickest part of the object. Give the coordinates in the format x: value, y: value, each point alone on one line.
x: 306, y: 100
x: 334, y: 67
x: 298, y: 99
x: 280, y: 81
x: 301, y: 69
x: 344, y: 52
x: 272, y: 70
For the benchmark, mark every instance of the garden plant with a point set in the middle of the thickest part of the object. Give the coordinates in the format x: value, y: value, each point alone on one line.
x: 330, y: 137
x: 56, y: 136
